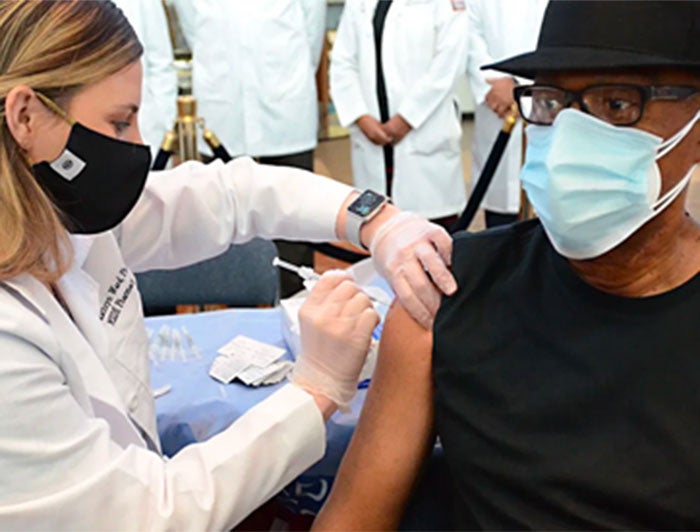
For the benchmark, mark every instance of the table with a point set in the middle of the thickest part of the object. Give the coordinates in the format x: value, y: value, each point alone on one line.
x: 197, y: 407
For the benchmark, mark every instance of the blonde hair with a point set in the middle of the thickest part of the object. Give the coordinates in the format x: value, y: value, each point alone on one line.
x: 55, y: 48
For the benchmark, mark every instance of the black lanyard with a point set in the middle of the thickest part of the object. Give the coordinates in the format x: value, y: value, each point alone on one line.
x: 378, y: 21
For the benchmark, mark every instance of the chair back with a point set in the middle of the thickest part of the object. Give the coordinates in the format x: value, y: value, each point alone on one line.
x: 243, y: 276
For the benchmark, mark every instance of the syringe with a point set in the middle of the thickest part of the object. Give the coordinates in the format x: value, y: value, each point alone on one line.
x: 306, y: 273
x: 309, y: 275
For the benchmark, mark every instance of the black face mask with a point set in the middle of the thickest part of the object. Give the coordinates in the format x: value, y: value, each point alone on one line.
x: 96, y: 181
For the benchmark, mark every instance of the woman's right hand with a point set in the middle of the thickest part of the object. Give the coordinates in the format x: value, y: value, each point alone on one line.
x: 337, y: 321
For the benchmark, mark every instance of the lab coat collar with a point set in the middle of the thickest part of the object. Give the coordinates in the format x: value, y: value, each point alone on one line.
x: 26, y: 287
x: 30, y: 288
x: 80, y: 293
x: 81, y: 248
x: 77, y: 288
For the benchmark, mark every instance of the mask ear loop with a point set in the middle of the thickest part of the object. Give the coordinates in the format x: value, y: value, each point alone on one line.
x: 672, y: 194
x: 48, y: 102
x: 666, y: 146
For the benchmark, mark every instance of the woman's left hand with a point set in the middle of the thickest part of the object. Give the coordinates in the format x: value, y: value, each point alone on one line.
x: 414, y: 256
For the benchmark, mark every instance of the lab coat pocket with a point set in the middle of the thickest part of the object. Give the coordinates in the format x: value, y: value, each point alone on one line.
x: 367, y: 161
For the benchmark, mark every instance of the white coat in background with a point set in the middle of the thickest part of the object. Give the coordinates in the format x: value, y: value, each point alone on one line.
x: 78, y: 416
x: 254, y: 67
x: 159, y: 92
x: 498, y: 29
x: 424, y: 50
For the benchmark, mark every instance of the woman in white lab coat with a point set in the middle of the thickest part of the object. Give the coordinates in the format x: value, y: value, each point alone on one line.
x: 79, y: 448
x: 498, y: 29
x: 423, y: 53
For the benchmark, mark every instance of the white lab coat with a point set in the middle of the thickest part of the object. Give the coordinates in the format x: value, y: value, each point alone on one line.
x: 77, y: 413
x: 424, y: 49
x: 254, y: 67
x: 498, y: 29
x: 159, y: 92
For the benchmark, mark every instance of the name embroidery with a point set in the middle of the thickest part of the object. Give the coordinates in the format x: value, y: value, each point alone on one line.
x: 118, y: 294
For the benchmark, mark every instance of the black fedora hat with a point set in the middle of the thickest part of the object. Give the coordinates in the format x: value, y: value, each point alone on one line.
x: 612, y: 34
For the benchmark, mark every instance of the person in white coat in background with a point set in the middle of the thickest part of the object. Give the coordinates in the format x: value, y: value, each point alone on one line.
x: 498, y: 29
x: 254, y: 65
x: 253, y: 69
x: 80, y: 212
x: 159, y: 93
x: 393, y: 73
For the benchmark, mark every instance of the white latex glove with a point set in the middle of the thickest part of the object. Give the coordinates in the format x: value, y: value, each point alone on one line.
x: 404, y: 249
x: 336, y: 323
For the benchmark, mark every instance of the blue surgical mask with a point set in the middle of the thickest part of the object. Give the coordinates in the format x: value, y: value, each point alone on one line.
x: 593, y: 184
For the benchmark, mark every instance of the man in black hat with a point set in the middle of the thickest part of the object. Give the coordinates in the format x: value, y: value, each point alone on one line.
x: 565, y: 373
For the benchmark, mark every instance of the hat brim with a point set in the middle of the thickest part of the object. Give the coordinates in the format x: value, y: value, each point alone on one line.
x: 579, y: 58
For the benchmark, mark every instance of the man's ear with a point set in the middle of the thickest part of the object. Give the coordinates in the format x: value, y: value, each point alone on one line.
x: 23, y: 112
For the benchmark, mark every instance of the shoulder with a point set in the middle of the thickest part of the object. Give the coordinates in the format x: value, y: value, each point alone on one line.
x: 488, y: 264
x: 479, y: 251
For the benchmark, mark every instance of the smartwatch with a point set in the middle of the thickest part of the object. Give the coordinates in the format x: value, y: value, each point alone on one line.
x: 365, y: 207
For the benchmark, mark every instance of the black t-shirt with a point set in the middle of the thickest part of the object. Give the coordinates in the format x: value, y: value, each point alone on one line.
x: 560, y: 406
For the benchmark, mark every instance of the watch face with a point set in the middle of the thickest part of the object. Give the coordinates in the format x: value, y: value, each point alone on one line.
x: 366, y: 202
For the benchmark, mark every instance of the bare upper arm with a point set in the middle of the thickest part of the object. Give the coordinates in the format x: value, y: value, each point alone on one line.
x: 393, y: 436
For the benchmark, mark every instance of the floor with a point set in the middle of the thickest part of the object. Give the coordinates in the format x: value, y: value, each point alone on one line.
x: 333, y: 160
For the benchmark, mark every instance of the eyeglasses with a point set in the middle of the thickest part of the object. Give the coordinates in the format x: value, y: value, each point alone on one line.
x: 620, y: 105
